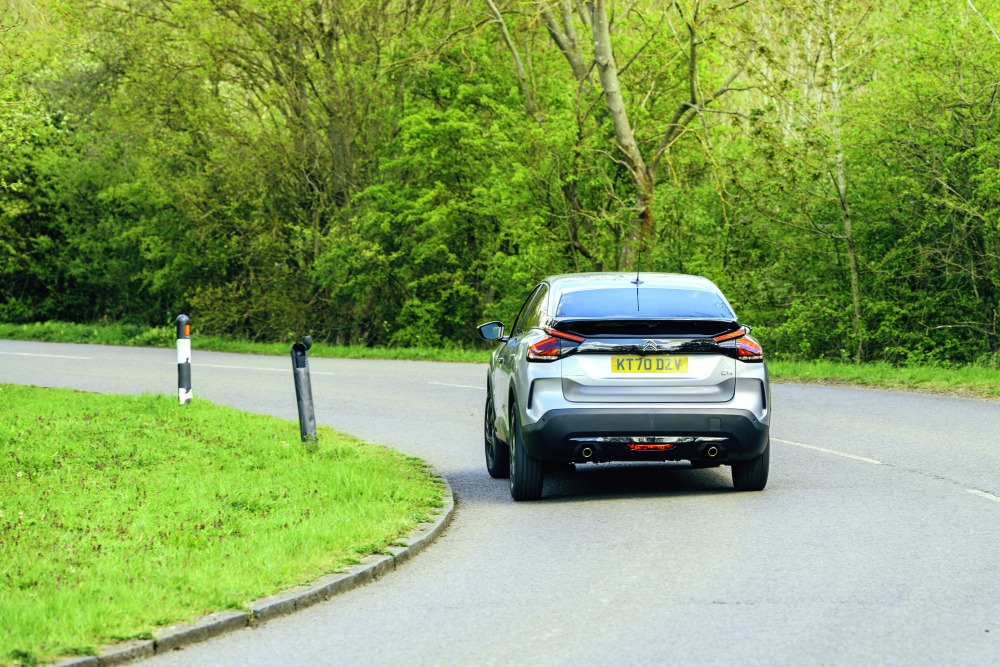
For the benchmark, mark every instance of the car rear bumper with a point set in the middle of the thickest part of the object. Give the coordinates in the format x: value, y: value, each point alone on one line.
x: 565, y: 434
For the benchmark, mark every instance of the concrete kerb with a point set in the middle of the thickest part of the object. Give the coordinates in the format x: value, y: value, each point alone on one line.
x: 281, y: 604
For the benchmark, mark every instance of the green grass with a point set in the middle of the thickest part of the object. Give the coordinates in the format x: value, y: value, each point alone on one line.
x: 324, y: 350
x: 119, y: 514
x: 103, y: 334
x: 972, y: 381
x: 128, y: 334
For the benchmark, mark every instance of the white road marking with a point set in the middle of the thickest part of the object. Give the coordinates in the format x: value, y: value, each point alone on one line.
x: 830, y: 451
x: 49, y: 356
x: 463, y: 386
x: 195, y: 365
x: 243, y: 368
x: 984, y: 494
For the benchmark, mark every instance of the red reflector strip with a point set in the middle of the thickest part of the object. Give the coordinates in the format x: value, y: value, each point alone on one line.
x: 649, y: 447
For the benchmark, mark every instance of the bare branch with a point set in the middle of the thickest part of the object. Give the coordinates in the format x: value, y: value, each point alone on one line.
x: 637, y: 53
x: 584, y: 13
x: 984, y: 20
x: 693, y: 57
x: 522, y: 77
x: 566, y: 10
x: 566, y: 41
x: 687, y: 111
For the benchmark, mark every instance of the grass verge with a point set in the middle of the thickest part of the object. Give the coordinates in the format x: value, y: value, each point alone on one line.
x: 123, y: 513
x: 969, y: 381
x: 127, y: 334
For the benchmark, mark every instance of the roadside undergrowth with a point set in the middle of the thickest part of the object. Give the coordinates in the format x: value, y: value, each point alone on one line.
x: 119, y: 514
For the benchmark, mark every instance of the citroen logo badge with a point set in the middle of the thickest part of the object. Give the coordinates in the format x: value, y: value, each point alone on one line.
x: 649, y: 346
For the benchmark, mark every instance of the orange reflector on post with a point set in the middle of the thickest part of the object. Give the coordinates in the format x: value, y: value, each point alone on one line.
x: 187, y: 329
x: 649, y: 447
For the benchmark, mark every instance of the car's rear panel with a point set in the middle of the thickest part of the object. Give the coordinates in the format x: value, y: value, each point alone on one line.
x: 653, y: 370
x: 622, y: 371
x: 648, y: 360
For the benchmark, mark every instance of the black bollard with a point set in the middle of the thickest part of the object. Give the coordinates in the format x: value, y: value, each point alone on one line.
x: 183, y: 359
x: 303, y: 390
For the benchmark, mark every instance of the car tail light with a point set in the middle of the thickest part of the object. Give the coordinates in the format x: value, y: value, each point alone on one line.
x: 546, y: 349
x: 746, y: 348
x: 554, y: 346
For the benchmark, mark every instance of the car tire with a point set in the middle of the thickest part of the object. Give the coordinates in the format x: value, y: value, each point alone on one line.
x: 526, y: 472
x: 497, y: 452
x: 752, y: 475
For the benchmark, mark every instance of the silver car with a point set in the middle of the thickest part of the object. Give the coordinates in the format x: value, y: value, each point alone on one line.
x: 625, y: 367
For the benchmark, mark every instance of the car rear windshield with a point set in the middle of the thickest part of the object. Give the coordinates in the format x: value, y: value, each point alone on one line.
x: 642, y: 303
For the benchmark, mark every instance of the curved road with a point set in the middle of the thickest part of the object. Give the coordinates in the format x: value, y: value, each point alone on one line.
x: 877, y: 540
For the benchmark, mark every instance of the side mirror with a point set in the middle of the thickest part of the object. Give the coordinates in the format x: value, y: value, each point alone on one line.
x: 492, y: 331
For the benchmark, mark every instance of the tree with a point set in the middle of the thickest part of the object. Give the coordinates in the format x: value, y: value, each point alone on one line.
x: 818, y: 55
x: 627, y: 141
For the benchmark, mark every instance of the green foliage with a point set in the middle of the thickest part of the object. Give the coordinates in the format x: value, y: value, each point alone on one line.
x: 274, y: 169
x: 453, y: 196
x: 121, y: 514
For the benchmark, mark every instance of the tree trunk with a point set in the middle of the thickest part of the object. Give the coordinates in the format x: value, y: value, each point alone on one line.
x: 840, y: 182
x: 642, y: 227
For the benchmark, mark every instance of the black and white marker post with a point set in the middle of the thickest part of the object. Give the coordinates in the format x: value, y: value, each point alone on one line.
x: 183, y: 359
x: 303, y: 390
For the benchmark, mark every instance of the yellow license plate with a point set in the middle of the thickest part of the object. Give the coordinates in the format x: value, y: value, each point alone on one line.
x: 623, y: 364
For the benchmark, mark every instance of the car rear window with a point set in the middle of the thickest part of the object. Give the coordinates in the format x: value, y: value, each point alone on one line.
x: 642, y: 303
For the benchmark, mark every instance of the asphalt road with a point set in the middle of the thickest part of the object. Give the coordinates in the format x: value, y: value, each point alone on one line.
x: 876, y: 541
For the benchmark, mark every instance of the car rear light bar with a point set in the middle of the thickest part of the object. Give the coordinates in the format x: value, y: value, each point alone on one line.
x: 732, y: 335
x: 564, y: 335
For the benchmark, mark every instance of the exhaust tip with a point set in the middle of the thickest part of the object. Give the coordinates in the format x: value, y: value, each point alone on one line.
x: 711, y: 451
x: 587, y: 452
